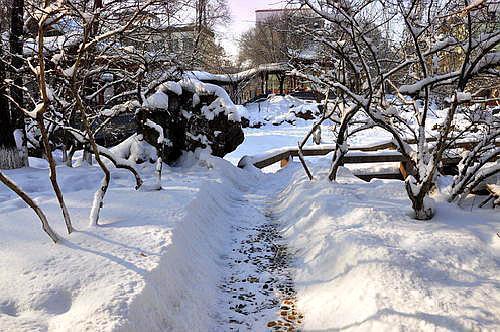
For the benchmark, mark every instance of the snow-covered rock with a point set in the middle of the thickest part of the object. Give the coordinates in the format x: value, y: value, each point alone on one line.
x: 201, y: 116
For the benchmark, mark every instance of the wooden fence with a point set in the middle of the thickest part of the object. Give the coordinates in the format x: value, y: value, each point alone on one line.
x: 355, y: 155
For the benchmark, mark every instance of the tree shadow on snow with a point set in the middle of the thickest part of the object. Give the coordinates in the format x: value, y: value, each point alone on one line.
x: 440, y: 321
x: 126, y: 264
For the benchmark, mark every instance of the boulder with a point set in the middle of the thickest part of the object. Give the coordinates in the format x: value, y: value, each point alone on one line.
x: 193, y: 115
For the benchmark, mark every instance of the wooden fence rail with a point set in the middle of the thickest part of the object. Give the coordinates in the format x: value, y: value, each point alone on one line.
x: 355, y: 155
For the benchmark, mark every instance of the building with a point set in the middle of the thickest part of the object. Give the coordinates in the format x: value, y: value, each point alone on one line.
x: 191, y: 45
x: 263, y: 15
x: 182, y: 41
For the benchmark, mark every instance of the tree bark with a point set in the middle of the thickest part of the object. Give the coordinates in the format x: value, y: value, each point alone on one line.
x: 42, y: 85
x: 16, y: 45
x: 8, y: 148
x: 9, y: 156
x: 53, y: 174
x: 16, y: 49
x: 340, y: 151
x: 422, y: 211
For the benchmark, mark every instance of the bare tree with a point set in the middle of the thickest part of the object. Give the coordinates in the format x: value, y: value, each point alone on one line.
x: 111, y: 45
x: 364, y: 78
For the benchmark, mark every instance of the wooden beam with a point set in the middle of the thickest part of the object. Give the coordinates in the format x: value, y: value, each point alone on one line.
x: 403, y: 171
x: 370, y: 176
x: 284, y: 162
x: 384, y: 146
x: 374, y: 158
x: 357, y: 158
x: 271, y: 160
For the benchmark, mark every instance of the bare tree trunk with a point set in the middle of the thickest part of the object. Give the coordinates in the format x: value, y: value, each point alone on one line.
x: 42, y: 84
x: 65, y: 154
x: 317, y: 126
x: 303, y: 162
x: 9, y: 155
x: 87, y: 155
x: 97, y: 204
x: 159, y: 167
x: 418, y: 201
x: 70, y: 154
x: 45, y: 224
x: 340, y: 150
x: 53, y: 174
x: 201, y: 8
x: 16, y: 49
x: 101, y: 192
x: 120, y: 164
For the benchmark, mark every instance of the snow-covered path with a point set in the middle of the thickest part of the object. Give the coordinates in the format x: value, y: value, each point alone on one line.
x: 257, y: 288
x: 222, y: 248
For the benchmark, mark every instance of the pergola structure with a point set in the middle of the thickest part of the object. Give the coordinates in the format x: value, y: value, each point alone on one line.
x: 235, y: 83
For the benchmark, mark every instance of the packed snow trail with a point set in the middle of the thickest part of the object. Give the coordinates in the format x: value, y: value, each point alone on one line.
x: 257, y: 289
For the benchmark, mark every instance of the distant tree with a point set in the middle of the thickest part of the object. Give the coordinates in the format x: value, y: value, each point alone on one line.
x: 267, y: 42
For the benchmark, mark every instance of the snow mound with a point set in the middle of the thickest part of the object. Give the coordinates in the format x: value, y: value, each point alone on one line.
x: 158, y: 99
x: 363, y: 264
x: 135, y: 149
x: 222, y: 103
x: 277, y: 110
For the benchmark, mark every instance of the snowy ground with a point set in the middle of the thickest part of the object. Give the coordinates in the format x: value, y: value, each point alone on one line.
x: 221, y: 248
x: 154, y: 264
x: 363, y: 264
x: 270, y: 137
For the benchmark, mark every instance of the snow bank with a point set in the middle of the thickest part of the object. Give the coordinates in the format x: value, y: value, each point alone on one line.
x: 181, y: 292
x: 280, y: 109
x: 152, y: 265
x: 364, y: 265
